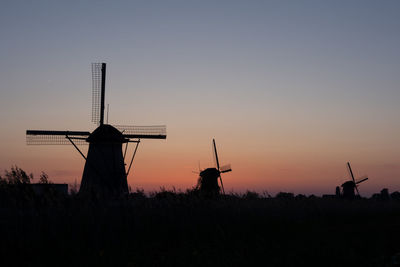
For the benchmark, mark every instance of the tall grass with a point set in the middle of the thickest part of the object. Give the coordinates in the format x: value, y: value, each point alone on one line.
x: 170, y: 228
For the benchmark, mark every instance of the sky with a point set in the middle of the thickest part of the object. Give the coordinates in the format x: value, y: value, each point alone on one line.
x: 290, y: 90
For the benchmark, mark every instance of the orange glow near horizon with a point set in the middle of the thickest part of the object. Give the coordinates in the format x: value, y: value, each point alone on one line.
x: 157, y: 166
x: 308, y: 160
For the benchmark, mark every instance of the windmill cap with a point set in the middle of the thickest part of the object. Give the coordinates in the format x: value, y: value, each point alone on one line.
x: 106, y: 134
x: 210, y: 172
x: 349, y: 184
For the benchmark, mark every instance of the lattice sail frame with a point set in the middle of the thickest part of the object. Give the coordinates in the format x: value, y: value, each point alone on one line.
x: 96, y: 92
x: 34, y: 137
x: 226, y: 168
x: 155, y: 131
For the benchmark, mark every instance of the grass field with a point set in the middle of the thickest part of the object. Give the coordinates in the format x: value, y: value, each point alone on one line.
x: 183, y: 229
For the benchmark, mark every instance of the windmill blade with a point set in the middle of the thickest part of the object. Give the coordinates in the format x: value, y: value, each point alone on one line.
x: 351, y: 172
x: 98, y: 92
x: 226, y: 168
x: 42, y: 137
x: 222, y: 185
x: 143, y: 132
x: 216, y: 156
x: 362, y: 180
x: 358, y: 192
x: 46, y: 132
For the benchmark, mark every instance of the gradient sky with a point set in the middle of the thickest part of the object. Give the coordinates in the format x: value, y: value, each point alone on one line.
x: 291, y: 90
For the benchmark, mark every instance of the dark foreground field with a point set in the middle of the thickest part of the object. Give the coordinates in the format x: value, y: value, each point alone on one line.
x: 176, y: 229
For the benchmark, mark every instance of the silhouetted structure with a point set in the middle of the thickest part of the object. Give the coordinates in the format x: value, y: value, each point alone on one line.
x: 348, y: 189
x: 395, y: 195
x: 349, y: 186
x: 383, y: 195
x: 208, y: 180
x: 104, y: 172
x: 105, y: 153
x: 337, y: 191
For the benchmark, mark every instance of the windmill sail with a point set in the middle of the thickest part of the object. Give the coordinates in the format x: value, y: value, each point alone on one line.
x: 98, y: 91
x: 226, y: 168
x: 217, y: 163
x: 351, y: 172
x: 40, y: 137
x: 215, y: 155
x: 143, y: 132
x: 352, y: 177
x: 362, y: 180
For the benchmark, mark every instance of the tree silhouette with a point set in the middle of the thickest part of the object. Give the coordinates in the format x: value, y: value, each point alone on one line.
x: 44, y: 178
x: 18, y: 176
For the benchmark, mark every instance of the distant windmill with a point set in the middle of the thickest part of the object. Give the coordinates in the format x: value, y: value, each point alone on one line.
x: 208, y: 180
x: 104, y: 172
x: 349, y: 186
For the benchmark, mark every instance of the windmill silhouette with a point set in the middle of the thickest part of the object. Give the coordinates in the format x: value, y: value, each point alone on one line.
x: 104, y: 173
x: 350, y: 186
x: 208, y: 180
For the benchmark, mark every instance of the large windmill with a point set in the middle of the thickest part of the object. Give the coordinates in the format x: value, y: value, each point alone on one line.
x: 349, y: 186
x: 208, y: 180
x: 104, y: 172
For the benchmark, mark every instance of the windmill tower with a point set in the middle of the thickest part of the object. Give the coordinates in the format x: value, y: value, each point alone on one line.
x: 208, y: 180
x: 349, y: 186
x: 104, y: 173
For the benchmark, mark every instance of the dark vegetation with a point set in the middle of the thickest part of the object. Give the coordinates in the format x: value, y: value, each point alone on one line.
x: 170, y: 228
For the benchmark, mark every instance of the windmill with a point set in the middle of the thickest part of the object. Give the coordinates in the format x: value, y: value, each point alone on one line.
x: 208, y: 180
x: 349, y: 186
x: 104, y: 172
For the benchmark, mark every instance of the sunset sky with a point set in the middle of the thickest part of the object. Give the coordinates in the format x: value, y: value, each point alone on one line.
x: 290, y: 90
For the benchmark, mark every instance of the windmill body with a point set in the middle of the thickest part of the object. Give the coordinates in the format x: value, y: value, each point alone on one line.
x: 348, y: 189
x: 208, y: 180
x: 105, y: 171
